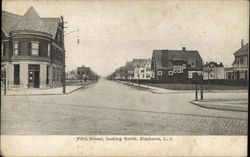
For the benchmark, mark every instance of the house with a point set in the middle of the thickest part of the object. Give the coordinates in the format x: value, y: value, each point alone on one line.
x: 71, y: 75
x: 229, y: 73
x: 213, y: 71
x: 240, y: 63
x: 32, y: 54
x: 142, y: 69
x: 175, y: 65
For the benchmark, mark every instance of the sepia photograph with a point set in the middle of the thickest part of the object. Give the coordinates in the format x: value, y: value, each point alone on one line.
x: 130, y: 73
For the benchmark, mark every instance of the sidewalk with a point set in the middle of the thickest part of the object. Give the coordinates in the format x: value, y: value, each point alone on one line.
x: 157, y: 90
x: 43, y: 91
x: 232, y: 100
x: 223, y: 104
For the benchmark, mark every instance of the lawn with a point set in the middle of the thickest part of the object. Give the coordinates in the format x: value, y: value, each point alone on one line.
x: 192, y: 86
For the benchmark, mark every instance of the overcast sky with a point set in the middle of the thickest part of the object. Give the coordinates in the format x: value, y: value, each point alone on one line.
x: 113, y: 32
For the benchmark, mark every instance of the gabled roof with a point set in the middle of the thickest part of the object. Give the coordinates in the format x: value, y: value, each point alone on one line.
x: 214, y: 63
x: 164, y: 57
x: 139, y: 62
x: 29, y: 21
x: 242, y: 51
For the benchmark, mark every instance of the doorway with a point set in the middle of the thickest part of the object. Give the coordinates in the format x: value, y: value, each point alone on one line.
x: 34, y: 76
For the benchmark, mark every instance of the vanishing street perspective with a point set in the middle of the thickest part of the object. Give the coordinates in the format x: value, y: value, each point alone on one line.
x: 131, y: 69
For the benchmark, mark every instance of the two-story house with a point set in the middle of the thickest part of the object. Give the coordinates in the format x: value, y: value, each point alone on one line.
x: 32, y: 54
x: 213, y: 71
x: 175, y: 65
x: 240, y: 64
x: 142, y: 69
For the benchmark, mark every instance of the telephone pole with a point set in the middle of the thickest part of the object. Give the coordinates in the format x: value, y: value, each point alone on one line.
x: 64, y: 51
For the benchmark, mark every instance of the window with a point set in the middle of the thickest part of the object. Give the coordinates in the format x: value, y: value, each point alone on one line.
x: 2, y: 49
x: 35, y: 48
x: 245, y: 61
x: 193, y: 64
x: 159, y: 73
x: 142, y: 70
x: 170, y: 73
x: 238, y: 61
x: 49, y: 50
x: 147, y: 69
x: 177, y: 69
x: 184, y: 66
x: 15, y: 48
x: 58, y: 38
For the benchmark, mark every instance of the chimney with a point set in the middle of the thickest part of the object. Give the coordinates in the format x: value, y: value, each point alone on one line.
x: 242, y: 42
x: 183, y: 48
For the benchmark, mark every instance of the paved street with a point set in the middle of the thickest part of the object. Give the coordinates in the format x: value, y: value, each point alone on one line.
x: 111, y: 108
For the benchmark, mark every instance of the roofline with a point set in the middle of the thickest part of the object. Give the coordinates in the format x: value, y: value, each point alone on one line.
x: 5, y: 33
x: 31, y: 32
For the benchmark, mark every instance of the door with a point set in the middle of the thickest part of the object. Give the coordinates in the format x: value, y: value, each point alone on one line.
x: 17, y: 74
x: 36, y: 79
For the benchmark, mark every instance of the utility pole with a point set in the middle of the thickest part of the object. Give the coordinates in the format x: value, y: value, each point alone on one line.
x: 64, y: 51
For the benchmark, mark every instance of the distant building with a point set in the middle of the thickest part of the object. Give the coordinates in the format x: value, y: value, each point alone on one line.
x: 32, y: 50
x: 142, y: 69
x: 175, y: 65
x: 229, y: 73
x: 240, y: 64
x: 213, y: 71
x: 72, y: 75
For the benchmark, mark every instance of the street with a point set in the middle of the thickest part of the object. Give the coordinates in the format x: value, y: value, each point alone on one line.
x: 111, y: 108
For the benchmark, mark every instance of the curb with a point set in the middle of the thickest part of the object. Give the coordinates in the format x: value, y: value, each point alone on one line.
x: 51, y: 93
x: 220, y: 107
x: 45, y: 93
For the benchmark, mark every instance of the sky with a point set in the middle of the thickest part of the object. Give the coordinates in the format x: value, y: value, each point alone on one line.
x: 113, y: 32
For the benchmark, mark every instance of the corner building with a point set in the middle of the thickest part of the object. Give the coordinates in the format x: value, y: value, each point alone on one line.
x: 32, y: 50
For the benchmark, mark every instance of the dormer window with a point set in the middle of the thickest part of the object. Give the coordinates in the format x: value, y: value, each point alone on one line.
x: 193, y: 64
x: 35, y: 48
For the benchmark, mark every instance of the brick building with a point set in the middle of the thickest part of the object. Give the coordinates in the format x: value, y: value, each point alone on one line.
x: 32, y: 54
x: 175, y: 65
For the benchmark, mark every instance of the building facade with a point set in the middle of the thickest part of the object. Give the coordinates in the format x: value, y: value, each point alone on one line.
x: 175, y: 65
x: 240, y: 63
x: 142, y: 69
x: 32, y: 53
x: 213, y: 71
